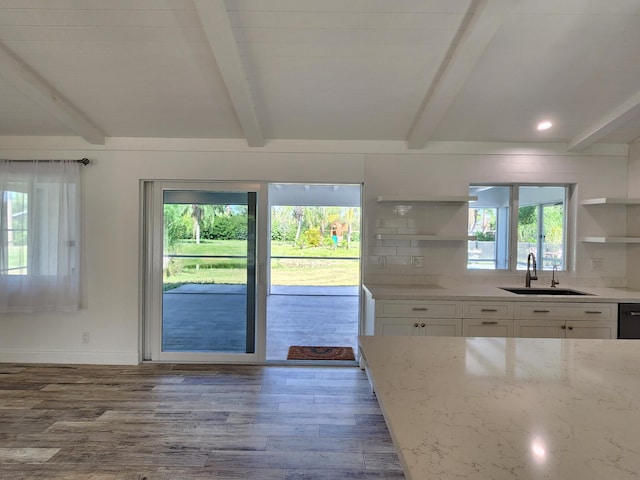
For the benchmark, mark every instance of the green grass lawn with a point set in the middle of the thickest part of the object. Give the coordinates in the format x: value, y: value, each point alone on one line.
x: 278, y: 249
x: 321, y: 270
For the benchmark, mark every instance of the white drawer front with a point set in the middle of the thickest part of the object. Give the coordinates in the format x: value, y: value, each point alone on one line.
x: 476, y: 327
x: 564, y: 311
x: 487, y: 309
x: 399, y: 308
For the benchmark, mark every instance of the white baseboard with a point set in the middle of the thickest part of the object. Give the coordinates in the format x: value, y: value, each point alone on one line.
x: 90, y: 358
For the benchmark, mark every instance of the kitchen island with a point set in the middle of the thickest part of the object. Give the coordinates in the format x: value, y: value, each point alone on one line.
x: 509, y: 408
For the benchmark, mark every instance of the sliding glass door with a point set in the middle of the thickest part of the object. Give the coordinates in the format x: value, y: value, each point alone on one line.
x: 206, y: 281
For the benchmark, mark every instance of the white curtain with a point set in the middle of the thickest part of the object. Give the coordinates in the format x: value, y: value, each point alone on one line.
x: 39, y: 236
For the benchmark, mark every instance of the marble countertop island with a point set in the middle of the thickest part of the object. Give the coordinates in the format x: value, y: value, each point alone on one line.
x: 509, y: 408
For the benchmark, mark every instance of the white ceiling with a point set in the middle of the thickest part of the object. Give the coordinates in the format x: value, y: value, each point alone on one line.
x: 405, y: 70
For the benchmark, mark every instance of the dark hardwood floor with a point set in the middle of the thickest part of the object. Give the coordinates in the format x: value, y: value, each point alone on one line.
x: 160, y: 421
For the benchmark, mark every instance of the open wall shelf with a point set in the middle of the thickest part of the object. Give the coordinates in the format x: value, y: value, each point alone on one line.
x: 611, y: 201
x: 429, y: 238
x: 424, y: 199
x: 610, y: 239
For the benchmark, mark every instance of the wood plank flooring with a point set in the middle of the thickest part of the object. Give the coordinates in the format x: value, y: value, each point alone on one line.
x: 161, y: 422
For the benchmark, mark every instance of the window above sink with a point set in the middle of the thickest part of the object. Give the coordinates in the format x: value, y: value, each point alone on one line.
x: 510, y: 221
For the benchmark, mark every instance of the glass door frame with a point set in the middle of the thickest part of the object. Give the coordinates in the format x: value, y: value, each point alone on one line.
x: 153, y: 199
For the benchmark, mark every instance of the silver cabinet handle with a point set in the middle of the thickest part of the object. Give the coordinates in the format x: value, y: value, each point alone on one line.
x: 592, y: 311
x: 541, y: 311
x: 489, y: 310
x: 634, y: 314
x: 422, y: 325
x: 415, y: 325
x: 419, y: 309
x: 489, y: 323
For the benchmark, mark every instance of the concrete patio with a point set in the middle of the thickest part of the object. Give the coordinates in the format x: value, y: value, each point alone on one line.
x: 211, y: 318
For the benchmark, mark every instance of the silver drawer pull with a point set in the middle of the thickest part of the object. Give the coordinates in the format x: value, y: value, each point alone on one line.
x: 489, y: 323
x: 419, y: 309
x: 541, y: 311
x: 592, y: 311
x: 489, y: 310
x: 634, y: 314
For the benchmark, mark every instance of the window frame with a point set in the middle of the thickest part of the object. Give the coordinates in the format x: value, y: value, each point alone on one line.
x: 512, y: 228
x: 7, y: 231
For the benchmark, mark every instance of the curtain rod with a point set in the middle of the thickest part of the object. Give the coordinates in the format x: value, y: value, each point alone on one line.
x: 83, y: 161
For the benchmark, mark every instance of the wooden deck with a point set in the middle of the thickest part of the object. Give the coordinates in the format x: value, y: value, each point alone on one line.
x: 195, y: 422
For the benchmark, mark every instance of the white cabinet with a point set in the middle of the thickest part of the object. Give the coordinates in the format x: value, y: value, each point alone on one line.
x: 479, y: 318
x: 408, y: 317
x: 565, y: 329
x: 487, y: 319
x: 566, y: 320
x: 434, y: 327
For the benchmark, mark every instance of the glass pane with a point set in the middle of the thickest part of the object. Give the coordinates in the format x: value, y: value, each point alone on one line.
x: 541, y: 219
x: 208, y: 272
x: 527, y: 234
x: 489, y: 223
x: 16, y: 233
x: 553, y: 237
x: 482, y: 252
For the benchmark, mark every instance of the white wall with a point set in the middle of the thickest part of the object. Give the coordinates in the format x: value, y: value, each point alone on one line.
x: 111, y: 217
x: 451, y: 174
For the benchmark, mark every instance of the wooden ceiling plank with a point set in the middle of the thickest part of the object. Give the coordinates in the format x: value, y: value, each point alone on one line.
x: 465, y: 51
x: 217, y: 28
x: 27, y: 81
x: 611, y: 121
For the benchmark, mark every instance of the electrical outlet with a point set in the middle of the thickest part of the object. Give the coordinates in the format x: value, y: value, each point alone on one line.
x: 417, y: 262
x: 382, y: 262
x: 597, y: 264
x: 86, y: 337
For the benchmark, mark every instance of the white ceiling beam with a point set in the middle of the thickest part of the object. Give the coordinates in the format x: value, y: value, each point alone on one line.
x: 217, y: 28
x: 27, y: 81
x: 616, y: 118
x: 464, y: 52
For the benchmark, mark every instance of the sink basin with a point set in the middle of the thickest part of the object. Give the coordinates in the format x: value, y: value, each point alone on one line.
x: 543, y: 291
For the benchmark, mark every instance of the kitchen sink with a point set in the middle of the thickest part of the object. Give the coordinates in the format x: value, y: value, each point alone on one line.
x: 542, y: 291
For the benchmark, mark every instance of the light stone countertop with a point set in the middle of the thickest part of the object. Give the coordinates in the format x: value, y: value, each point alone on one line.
x: 491, y: 293
x: 509, y: 408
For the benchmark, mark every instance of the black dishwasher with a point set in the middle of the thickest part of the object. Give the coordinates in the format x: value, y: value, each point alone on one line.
x: 629, y: 320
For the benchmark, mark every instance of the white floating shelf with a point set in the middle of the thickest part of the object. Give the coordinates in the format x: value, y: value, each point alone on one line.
x: 611, y: 201
x: 611, y: 239
x: 423, y: 199
x: 418, y: 236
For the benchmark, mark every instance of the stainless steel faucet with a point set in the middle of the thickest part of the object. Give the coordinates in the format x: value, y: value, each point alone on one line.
x: 554, y: 282
x: 531, y: 258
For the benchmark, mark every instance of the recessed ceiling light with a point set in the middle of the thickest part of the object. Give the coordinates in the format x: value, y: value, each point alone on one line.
x: 546, y: 125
